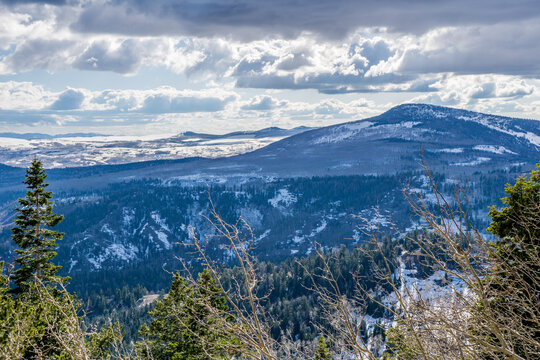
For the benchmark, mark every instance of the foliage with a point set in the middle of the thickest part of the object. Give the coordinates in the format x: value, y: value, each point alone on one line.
x: 38, y: 318
x: 322, y: 352
x: 188, y: 323
x: 513, y: 286
x: 399, y: 346
x: 102, y: 344
x: 33, y: 233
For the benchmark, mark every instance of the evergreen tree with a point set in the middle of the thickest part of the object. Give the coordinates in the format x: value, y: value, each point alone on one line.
x: 322, y: 352
x: 513, y: 284
x: 189, y: 323
x: 38, y: 317
x: 33, y: 232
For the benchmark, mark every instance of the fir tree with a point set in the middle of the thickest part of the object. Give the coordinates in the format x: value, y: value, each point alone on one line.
x: 189, y: 323
x: 322, y: 352
x: 33, y: 232
x: 514, y: 282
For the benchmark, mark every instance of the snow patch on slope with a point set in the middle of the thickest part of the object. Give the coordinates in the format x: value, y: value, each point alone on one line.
x: 282, y: 198
x: 157, y: 218
x: 494, y: 149
x: 114, y: 251
x: 450, y: 150
x: 343, y: 132
x: 477, y: 161
x: 496, y: 124
x: 164, y: 239
x: 297, y: 239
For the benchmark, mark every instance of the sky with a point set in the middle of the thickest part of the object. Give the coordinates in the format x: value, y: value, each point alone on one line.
x: 140, y: 67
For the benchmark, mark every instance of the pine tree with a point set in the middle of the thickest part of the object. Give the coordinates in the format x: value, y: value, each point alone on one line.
x: 514, y: 283
x: 322, y: 352
x: 39, y: 317
x: 189, y: 323
x: 33, y: 232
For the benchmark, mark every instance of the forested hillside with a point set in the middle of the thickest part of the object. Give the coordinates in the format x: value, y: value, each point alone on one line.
x: 384, y: 296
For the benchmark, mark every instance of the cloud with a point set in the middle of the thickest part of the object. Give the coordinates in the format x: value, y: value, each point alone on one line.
x: 18, y: 2
x: 251, y: 19
x: 374, y: 54
x: 100, y: 56
x: 39, y: 54
x: 158, y: 104
x: 69, y: 100
x: 263, y: 103
x: 160, y: 100
x: 24, y: 96
x: 479, y: 92
x: 27, y: 96
x: 507, y: 48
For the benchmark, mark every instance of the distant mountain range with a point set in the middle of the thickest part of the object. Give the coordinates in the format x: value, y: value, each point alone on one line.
x: 88, y: 149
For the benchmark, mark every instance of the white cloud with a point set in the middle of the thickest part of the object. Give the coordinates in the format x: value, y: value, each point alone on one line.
x: 24, y: 96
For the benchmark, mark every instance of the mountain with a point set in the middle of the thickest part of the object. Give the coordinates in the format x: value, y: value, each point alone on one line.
x: 87, y: 149
x: 452, y: 141
x: 318, y: 185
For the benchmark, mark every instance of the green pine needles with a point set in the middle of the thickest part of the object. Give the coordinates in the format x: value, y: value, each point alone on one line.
x: 322, y: 352
x: 190, y: 323
x: 33, y: 232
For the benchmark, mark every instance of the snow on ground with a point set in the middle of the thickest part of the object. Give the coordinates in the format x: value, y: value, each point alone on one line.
x: 283, y: 198
x: 494, y: 149
x: 107, y: 230
x: 253, y: 217
x: 262, y: 236
x: 99, y: 150
x: 147, y: 300
x: 450, y: 150
x: 72, y: 263
x: 164, y: 239
x: 128, y: 215
x: 157, y: 218
x: 114, y: 251
x: 477, y: 161
x: 343, y: 132
x: 373, y: 219
x: 79, y: 199
x: 497, y: 124
x: 299, y: 238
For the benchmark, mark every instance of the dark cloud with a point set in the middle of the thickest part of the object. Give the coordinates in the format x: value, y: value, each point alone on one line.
x: 333, y: 83
x: 250, y: 19
x: 17, y: 2
x: 38, y: 54
x: 160, y: 104
x: 508, y: 48
x: 68, y: 100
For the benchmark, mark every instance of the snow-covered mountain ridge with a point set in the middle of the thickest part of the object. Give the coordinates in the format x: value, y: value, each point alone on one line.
x: 75, y: 150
